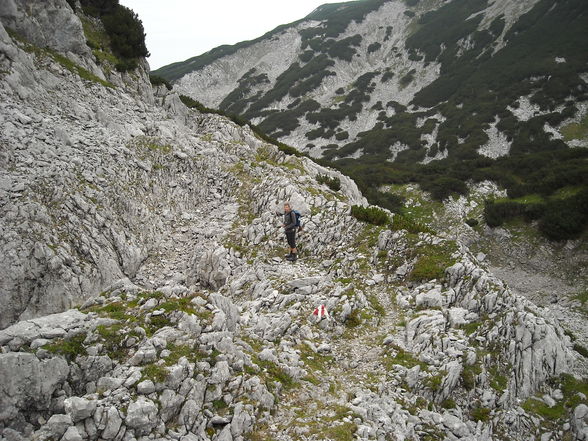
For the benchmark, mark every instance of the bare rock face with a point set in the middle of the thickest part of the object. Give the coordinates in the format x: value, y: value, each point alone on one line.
x: 28, y: 383
x: 46, y: 24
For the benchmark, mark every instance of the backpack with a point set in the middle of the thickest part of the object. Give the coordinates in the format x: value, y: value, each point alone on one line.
x: 298, y: 224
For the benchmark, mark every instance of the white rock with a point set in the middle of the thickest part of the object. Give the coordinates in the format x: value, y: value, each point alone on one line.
x: 79, y: 408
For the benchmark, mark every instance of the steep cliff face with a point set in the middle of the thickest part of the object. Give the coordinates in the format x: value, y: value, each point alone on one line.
x: 159, y: 224
x: 386, y: 77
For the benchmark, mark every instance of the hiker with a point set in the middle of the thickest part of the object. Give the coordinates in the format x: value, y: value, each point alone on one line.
x: 290, y: 226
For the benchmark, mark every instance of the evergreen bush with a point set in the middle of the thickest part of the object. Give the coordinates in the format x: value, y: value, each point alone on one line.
x: 372, y: 215
x: 334, y: 183
x: 124, y: 28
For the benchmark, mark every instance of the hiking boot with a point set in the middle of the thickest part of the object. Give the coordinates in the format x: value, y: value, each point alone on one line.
x: 292, y: 258
x: 288, y: 256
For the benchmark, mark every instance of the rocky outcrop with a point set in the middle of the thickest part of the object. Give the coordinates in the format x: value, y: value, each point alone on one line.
x: 48, y: 24
x: 160, y: 225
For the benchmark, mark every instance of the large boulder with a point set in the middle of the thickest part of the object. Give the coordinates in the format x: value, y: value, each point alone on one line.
x: 28, y: 383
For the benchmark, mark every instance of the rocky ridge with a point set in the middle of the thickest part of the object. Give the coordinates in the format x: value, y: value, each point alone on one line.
x: 160, y: 225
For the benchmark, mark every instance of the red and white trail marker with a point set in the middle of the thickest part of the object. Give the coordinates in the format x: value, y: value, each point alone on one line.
x: 321, y: 312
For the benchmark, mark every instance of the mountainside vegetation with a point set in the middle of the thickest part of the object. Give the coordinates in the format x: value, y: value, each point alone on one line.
x: 124, y: 31
x: 490, y: 72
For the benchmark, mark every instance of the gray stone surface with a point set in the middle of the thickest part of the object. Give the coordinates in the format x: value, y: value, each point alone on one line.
x: 28, y: 383
x: 105, y: 190
x: 79, y: 408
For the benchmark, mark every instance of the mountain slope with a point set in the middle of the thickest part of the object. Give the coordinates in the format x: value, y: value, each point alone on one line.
x: 158, y: 225
x: 438, y: 93
x: 346, y: 68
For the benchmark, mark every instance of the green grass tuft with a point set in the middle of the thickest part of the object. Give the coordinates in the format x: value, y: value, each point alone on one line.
x: 154, y: 372
x: 69, y: 348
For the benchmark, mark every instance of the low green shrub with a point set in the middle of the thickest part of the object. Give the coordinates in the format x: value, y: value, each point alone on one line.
x: 156, y: 80
x: 334, y: 183
x: 480, y: 414
x: 472, y: 222
x: 404, y: 222
x: 371, y: 215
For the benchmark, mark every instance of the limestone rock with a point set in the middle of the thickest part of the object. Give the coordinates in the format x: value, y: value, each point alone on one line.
x: 79, y: 408
x: 28, y: 383
x: 141, y: 415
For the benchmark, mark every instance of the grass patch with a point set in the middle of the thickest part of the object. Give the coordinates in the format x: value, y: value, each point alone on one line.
x: 470, y: 328
x: 116, y: 310
x: 538, y: 407
x: 112, y: 338
x: 274, y: 373
x: 410, y: 224
x: 354, y: 319
x: 178, y: 351
x: 376, y: 305
x: 498, y: 381
x: 448, y: 403
x: 480, y: 414
x: 342, y: 432
x: 69, y: 348
x: 402, y: 358
x: 154, y: 372
x: 434, y: 382
x: 577, y: 130
x: 432, y: 262
x: 574, y: 393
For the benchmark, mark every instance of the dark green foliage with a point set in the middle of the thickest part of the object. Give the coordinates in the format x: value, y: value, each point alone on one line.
x: 330, y: 118
x: 480, y: 414
x: 296, y: 80
x: 283, y: 122
x: 472, y: 222
x: 559, y: 218
x: 374, y: 47
x: 407, y: 79
x: 388, y: 75
x: 371, y: 215
x: 445, y: 25
x: 339, y: 15
x: 343, y: 49
x: 444, y: 186
x: 333, y: 183
x: 127, y: 37
x: 124, y: 28
x: 566, y: 218
x: 404, y: 222
x: 157, y: 81
x: 341, y: 136
x: 238, y: 99
x: 581, y: 350
x: 306, y: 56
